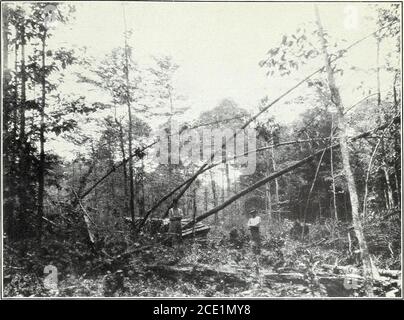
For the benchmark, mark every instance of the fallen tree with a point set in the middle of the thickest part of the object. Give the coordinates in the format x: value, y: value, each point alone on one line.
x: 205, y: 165
x: 253, y: 118
x: 336, y: 285
x: 282, y: 172
x: 139, y: 153
x: 172, y: 192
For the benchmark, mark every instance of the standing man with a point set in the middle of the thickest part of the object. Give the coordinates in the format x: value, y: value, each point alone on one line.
x: 175, y: 216
x: 254, y: 225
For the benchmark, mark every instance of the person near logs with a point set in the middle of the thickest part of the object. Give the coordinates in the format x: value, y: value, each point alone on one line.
x: 253, y: 225
x: 174, y: 230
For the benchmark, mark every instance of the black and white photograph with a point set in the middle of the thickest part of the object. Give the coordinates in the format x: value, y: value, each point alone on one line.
x: 201, y: 150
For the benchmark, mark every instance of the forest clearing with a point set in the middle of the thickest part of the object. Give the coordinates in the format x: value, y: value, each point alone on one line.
x: 172, y: 149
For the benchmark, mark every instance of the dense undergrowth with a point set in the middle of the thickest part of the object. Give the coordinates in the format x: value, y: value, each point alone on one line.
x: 124, y: 265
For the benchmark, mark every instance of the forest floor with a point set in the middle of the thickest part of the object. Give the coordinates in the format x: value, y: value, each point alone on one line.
x: 213, y: 267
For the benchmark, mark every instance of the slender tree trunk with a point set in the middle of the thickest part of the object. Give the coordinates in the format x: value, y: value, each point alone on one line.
x: 389, y: 191
x: 112, y: 180
x: 396, y: 179
x: 397, y: 146
x: 206, y: 192
x: 194, y: 211
x: 124, y: 171
x: 41, y: 180
x: 5, y: 13
x: 9, y: 226
x: 228, y: 185
x: 237, y: 203
x: 213, y: 186
x: 73, y: 176
x: 319, y: 205
x: 16, y: 96
x: 170, y: 138
x: 379, y: 104
x: 276, y: 180
x: 6, y: 71
x: 23, y: 90
x: 369, y: 170
x: 131, y: 183
x: 22, y: 139
x: 130, y: 137
x: 23, y: 170
x: 334, y: 198
x: 268, y: 189
x: 95, y: 198
x: 140, y: 190
x: 312, y: 188
x: 356, y: 217
x: 379, y: 96
x: 365, y: 197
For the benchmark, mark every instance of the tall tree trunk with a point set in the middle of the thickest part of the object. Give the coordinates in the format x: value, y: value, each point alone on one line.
x: 6, y: 71
x: 397, y: 145
x: 397, y: 162
x: 206, y: 192
x: 389, y: 191
x: 124, y: 171
x: 276, y: 180
x: 131, y: 182
x: 8, y: 157
x: 379, y: 96
x: 332, y: 172
x: 194, y: 211
x: 140, y: 190
x: 268, y: 189
x: 95, y: 155
x: 213, y: 186
x: 228, y: 185
x: 367, y: 178
x: 237, y: 203
x: 111, y: 180
x: 223, y: 187
x: 41, y: 180
x: 5, y: 13
x: 23, y: 89
x: 16, y: 95
x: 170, y: 138
x: 312, y: 188
x: 23, y: 163
x: 356, y: 217
x: 319, y: 205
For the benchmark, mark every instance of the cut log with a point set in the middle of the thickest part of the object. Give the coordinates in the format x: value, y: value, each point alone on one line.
x: 201, y: 230
x: 191, y: 272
